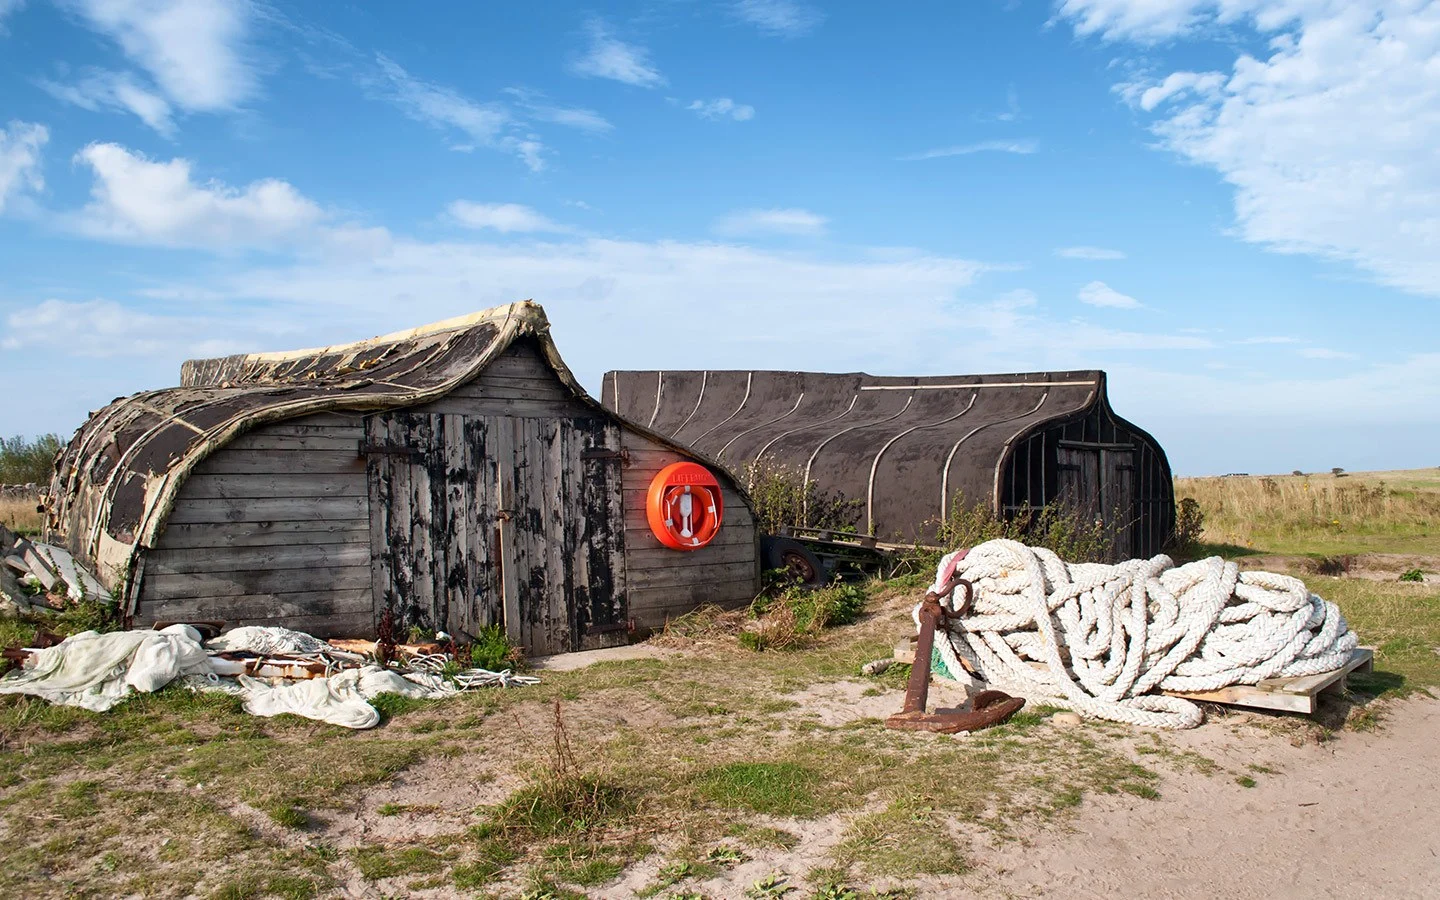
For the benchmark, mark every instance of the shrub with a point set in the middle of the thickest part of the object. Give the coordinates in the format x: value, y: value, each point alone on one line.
x: 23, y: 461
x: 1072, y: 536
x: 1189, y: 526
x: 783, y: 497
x: 1413, y: 575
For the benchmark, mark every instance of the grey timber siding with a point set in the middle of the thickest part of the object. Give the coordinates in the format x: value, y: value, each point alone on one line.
x: 666, y: 583
x: 271, y: 530
x: 453, y: 477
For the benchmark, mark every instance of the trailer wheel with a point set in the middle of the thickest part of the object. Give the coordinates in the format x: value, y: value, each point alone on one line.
x: 795, y: 558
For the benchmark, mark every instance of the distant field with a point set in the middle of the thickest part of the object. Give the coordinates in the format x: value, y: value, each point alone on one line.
x: 1363, y: 512
x: 20, y: 516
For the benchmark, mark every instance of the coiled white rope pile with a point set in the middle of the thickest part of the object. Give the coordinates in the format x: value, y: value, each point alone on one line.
x: 1110, y: 635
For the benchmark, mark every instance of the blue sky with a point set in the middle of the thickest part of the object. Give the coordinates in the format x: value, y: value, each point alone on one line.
x: 1232, y: 206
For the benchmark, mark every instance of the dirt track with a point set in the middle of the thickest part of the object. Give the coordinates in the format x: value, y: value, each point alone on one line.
x: 1359, y: 815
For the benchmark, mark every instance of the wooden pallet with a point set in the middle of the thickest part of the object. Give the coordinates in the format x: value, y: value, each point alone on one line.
x: 1300, y: 694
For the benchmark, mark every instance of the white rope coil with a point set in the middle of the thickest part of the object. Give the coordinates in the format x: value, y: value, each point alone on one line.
x: 1110, y: 636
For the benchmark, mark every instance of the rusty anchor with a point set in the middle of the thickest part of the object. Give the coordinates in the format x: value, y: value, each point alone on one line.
x: 986, y: 709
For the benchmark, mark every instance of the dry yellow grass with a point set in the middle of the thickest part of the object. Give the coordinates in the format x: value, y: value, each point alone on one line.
x: 1382, y: 512
x: 20, y: 515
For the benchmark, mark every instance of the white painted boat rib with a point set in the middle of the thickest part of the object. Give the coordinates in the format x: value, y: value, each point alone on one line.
x: 704, y: 377
x: 966, y: 387
x: 809, y: 463
x: 737, y: 437
x: 659, y: 389
x: 749, y: 381
x: 875, y: 464
x: 785, y: 434
x: 945, y: 473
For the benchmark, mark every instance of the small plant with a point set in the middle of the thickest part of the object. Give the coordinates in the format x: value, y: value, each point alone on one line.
x: 565, y: 799
x: 492, y: 650
x: 725, y: 856
x: 772, y: 885
x: 1245, y: 781
x: 1414, y: 575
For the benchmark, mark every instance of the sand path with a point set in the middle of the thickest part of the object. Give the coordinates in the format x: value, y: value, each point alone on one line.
x: 1358, y: 816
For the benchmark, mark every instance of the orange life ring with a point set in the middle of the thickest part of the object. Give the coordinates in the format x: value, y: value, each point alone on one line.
x: 684, y: 506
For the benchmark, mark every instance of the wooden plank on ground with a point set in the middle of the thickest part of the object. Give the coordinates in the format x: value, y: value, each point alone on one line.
x: 1289, y: 694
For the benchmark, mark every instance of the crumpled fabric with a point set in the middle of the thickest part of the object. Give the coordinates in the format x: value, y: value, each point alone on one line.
x: 340, y: 699
x: 266, y: 639
x: 96, y: 671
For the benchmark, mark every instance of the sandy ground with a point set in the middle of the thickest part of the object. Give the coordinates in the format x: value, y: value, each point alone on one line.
x: 1355, y: 816
x: 1358, y: 815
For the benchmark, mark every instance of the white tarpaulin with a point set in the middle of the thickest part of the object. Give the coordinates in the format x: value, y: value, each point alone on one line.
x: 97, y: 671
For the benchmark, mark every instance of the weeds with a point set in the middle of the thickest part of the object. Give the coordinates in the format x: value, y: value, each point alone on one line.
x: 793, y: 617
x: 1053, y: 526
x: 1413, y: 575
x: 783, y: 497
x: 492, y: 650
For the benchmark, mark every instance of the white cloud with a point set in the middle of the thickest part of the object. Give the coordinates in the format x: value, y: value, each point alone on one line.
x: 1147, y: 96
x: 137, y: 200
x: 20, y: 144
x: 1269, y: 339
x: 195, y: 50
x: 104, y: 328
x: 779, y: 18
x: 1328, y: 136
x: 1098, y: 293
x: 534, y: 102
x: 582, y: 119
x: 1021, y: 147
x: 1094, y: 253
x: 1325, y: 353
x: 610, y: 57
x: 600, y: 294
x: 441, y: 107
x: 722, y: 108
x: 101, y: 89
x: 1149, y: 20
x: 771, y: 221
x: 503, y: 217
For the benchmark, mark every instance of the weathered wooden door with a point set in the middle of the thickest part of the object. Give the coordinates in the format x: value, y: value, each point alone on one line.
x: 563, y: 532
x: 1080, y: 481
x: 1117, y: 499
x: 433, y: 505
x: 482, y: 520
x: 1097, y: 481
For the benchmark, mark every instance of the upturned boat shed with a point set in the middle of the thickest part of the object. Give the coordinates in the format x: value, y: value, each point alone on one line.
x: 450, y: 477
x: 910, y: 448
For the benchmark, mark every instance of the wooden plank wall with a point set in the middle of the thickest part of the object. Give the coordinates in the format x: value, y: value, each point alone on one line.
x: 273, y: 529
x: 665, y: 583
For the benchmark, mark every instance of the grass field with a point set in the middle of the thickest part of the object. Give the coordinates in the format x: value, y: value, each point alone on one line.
x: 658, y: 772
x: 1364, y: 512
